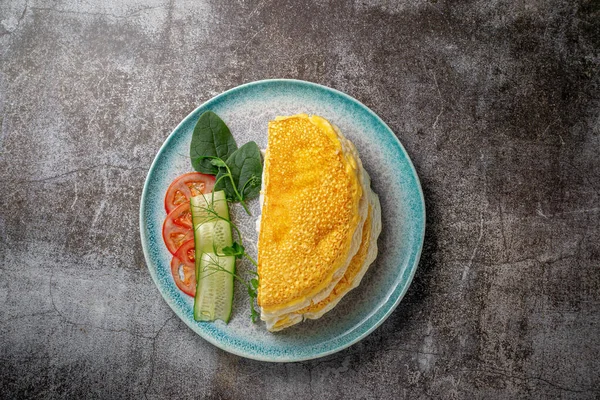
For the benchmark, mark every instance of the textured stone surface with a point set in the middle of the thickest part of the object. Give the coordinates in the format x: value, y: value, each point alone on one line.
x: 497, y: 103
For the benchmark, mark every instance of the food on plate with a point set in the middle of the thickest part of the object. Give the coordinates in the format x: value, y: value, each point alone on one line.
x: 186, y: 186
x: 319, y: 224
x: 214, y: 270
x: 183, y: 268
x: 213, y: 151
x: 177, y: 228
x: 197, y: 230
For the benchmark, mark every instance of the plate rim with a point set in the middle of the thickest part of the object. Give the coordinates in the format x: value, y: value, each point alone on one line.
x: 281, y: 357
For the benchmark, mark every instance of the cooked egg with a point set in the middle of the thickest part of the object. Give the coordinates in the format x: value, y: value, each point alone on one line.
x: 314, y: 243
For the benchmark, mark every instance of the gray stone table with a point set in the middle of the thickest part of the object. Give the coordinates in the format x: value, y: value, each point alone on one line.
x: 497, y: 103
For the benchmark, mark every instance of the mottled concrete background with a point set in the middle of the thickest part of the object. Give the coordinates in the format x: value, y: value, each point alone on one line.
x: 497, y: 103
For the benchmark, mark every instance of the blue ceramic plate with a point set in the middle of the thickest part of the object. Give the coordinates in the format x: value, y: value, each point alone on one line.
x: 247, y: 109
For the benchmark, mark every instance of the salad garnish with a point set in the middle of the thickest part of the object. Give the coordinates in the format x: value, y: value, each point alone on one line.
x: 226, y: 174
x: 213, y: 151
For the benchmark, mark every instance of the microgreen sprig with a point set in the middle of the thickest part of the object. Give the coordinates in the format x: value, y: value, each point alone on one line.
x: 218, y: 162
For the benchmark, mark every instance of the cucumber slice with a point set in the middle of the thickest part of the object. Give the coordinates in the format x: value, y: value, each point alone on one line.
x: 214, y: 274
x: 214, y: 293
x: 210, y: 233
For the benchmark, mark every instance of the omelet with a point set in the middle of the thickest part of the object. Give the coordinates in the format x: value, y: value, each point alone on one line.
x: 319, y: 221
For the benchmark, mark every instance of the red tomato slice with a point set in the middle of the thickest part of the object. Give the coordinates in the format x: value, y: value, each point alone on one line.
x: 186, y: 186
x: 183, y: 268
x: 181, y: 215
x: 177, y: 228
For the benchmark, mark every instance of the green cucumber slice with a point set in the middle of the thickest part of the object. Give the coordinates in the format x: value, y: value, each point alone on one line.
x: 214, y: 274
x: 210, y: 232
x: 214, y: 293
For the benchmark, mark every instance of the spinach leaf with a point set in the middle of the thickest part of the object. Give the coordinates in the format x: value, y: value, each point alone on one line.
x: 246, y: 172
x: 211, y: 138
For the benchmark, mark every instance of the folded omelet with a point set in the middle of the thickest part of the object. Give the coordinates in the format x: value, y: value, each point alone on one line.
x: 319, y: 224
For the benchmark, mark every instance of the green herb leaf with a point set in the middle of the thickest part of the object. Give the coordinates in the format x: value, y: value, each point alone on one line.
x: 254, y: 314
x: 251, y: 293
x: 236, y: 250
x: 239, y: 248
x: 254, y: 283
x: 228, y: 251
x: 246, y: 170
x: 211, y: 138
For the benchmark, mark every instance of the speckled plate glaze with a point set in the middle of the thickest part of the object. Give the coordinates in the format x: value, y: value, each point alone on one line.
x: 247, y: 109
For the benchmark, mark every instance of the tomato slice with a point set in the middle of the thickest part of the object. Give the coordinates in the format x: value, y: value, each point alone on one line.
x: 183, y: 268
x: 177, y: 228
x: 181, y: 215
x: 186, y: 186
